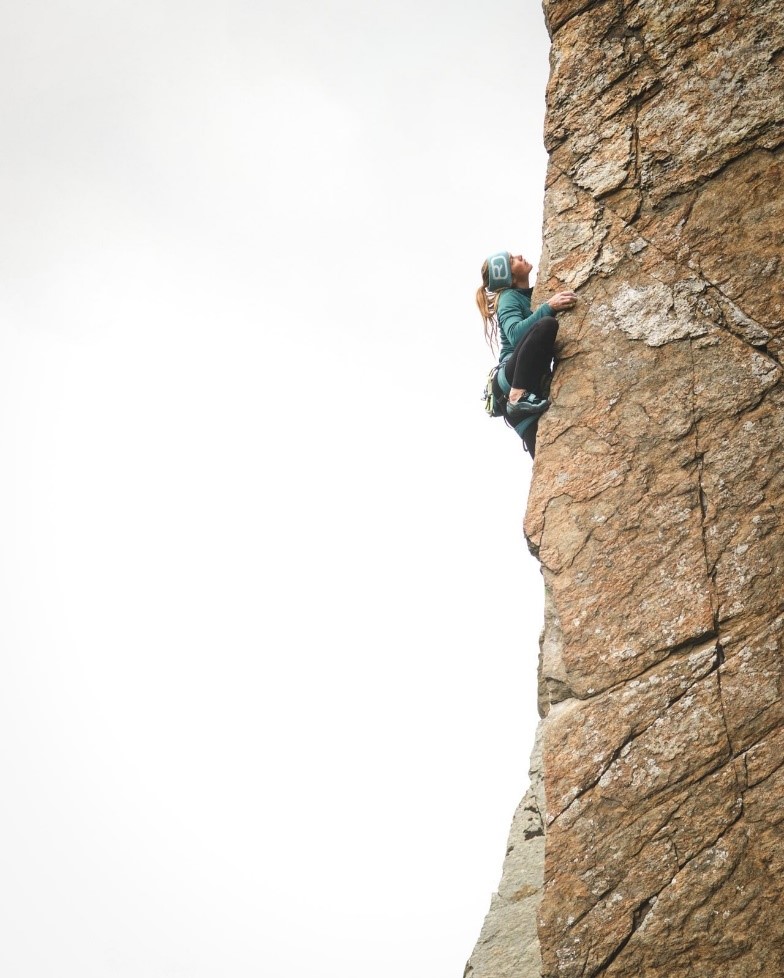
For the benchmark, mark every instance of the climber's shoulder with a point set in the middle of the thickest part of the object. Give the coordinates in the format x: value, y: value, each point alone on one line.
x: 514, y: 300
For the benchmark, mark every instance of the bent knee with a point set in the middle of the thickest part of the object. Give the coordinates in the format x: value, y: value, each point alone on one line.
x: 546, y: 326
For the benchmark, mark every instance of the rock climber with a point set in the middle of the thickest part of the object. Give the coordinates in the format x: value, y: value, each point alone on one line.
x: 526, y: 339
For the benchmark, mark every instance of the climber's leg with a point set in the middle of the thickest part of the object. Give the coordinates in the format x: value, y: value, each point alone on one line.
x: 529, y: 363
x: 531, y: 358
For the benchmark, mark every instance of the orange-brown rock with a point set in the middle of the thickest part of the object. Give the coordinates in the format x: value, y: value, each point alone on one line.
x: 657, y: 503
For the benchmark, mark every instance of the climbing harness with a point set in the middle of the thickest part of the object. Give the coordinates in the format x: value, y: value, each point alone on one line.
x: 494, y: 398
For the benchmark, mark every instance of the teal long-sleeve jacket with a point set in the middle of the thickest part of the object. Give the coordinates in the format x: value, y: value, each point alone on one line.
x: 515, y: 318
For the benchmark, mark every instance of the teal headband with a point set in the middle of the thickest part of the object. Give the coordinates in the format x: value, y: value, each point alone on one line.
x: 499, y: 271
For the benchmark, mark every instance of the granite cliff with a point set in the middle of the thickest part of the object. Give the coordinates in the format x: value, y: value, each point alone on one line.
x: 650, y: 841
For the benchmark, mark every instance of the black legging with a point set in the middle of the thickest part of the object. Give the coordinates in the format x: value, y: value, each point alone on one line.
x: 531, y: 358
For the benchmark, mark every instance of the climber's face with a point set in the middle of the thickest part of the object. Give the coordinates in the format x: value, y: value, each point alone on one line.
x: 521, y: 269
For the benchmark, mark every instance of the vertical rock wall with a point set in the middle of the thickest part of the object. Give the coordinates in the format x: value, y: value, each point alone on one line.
x: 657, y: 504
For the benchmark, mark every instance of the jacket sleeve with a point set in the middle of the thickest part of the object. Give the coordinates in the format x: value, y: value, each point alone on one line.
x: 513, y: 322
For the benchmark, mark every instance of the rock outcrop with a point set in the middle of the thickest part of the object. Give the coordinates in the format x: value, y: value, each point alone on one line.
x: 657, y: 507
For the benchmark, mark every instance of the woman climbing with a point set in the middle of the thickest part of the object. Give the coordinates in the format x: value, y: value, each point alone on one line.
x: 526, y: 339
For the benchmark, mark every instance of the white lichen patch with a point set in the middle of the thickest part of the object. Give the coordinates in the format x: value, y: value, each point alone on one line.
x: 648, y: 313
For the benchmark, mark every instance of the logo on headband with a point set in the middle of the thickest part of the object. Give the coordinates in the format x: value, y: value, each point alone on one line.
x: 499, y: 272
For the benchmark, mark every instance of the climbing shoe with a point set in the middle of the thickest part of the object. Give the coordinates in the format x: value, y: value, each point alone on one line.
x: 525, y: 407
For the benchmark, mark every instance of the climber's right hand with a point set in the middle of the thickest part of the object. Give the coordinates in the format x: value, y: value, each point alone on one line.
x: 562, y: 300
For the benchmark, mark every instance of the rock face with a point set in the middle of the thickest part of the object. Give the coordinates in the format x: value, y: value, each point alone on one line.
x: 657, y: 505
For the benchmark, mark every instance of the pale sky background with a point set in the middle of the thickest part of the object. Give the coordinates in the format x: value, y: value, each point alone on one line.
x: 269, y: 624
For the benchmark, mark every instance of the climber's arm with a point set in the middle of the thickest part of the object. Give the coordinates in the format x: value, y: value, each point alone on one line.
x: 513, y: 322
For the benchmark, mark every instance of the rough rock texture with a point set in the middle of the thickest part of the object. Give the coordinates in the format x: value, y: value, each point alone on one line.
x: 657, y: 504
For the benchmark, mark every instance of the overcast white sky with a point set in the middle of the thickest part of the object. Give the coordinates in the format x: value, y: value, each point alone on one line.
x: 269, y: 626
